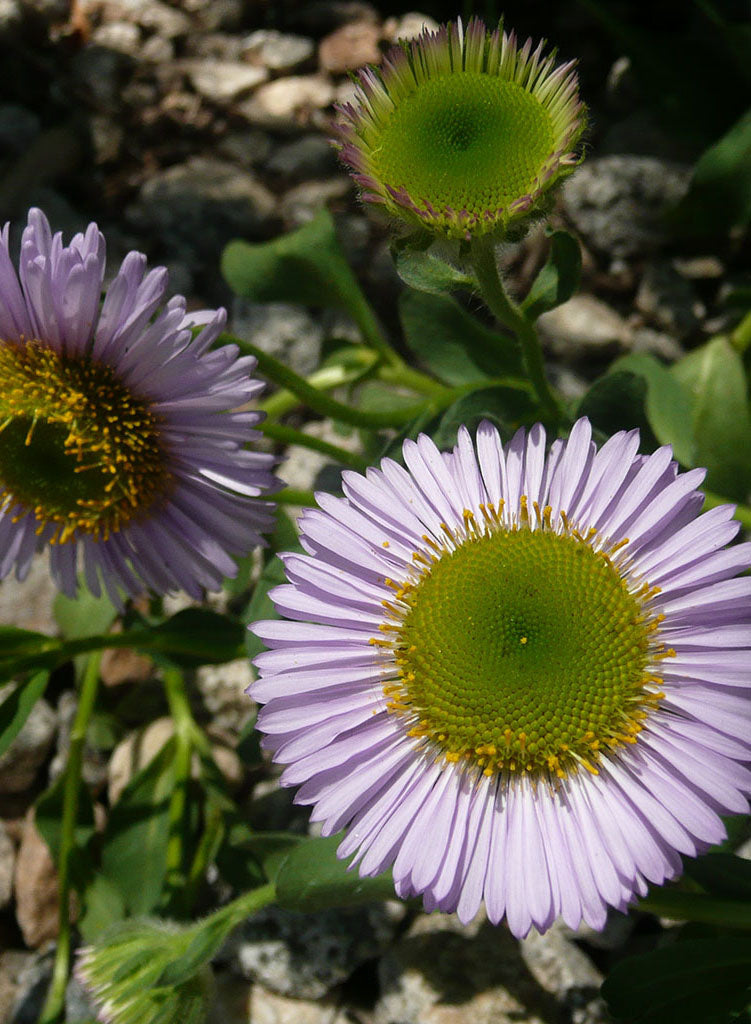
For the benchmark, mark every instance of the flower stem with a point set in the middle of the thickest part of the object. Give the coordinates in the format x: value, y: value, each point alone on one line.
x: 685, y: 906
x: 55, y: 1001
x: 185, y: 733
x: 320, y: 402
x: 295, y: 496
x: 511, y: 316
x: 328, y: 377
x: 288, y: 435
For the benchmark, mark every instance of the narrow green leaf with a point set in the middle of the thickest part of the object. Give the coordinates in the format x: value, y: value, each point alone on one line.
x: 16, y: 708
x: 454, y: 345
x: 696, y: 981
x: 17, y: 643
x: 714, y: 378
x: 312, y: 877
x: 667, y: 404
x: 426, y: 271
x: 306, y: 265
x: 48, y: 816
x: 195, y: 636
x: 134, y: 844
x: 559, y: 278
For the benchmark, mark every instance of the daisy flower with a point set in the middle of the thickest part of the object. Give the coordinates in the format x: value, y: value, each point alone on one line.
x: 518, y: 678
x: 120, y: 451
x: 462, y: 131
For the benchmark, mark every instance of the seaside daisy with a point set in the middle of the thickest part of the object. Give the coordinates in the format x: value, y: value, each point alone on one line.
x: 518, y: 678
x: 122, y: 449
x: 462, y: 131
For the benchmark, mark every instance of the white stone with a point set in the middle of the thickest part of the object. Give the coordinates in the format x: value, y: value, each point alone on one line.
x: 222, y: 81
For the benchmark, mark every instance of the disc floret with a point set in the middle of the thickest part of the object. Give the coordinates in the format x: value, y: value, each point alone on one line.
x: 549, y: 666
x: 79, y: 450
x: 462, y: 131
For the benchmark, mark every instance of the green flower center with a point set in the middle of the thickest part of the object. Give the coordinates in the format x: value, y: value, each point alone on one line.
x: 468, y: 141
x: 76, y: 447
x: 523, y: 650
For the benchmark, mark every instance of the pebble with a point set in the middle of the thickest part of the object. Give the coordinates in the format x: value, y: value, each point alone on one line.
x: 222, y: 689
x: 284, y: 330
x: 36, y: 887
x: 31, y: 983
x: 28, y: 751
x: 7, y: 862
x: 287, y: 104
x: 118, y: 35
x: 618, y: 203
x: 11, y: 14
x: 277, y: 51
x: 223, y: 81
x: 248, y: 147
x: 583, y: 327
x: 13, y: 964
x: 409, y: 26
x: 352, y: 46
x: 304, y: 956
x: 310, y: 156
x: 28, y: 603
x: 303, y: 202
x: 269, y: 1008
x: 668, y: 299
x: 567, y: 973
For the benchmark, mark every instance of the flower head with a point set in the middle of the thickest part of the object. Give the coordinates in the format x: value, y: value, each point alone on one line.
x: 462, y: 131
x: 517, y: 677
x: 119, y: 446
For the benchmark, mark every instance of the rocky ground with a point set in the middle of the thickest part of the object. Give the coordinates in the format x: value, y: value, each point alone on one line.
x: 179, y: 126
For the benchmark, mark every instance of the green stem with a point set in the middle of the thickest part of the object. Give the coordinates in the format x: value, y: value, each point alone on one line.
x: 185, y: 731
x: 742, y: 512
x: 317, y: 400
x: 415, y: 381
x: 295, y: 496
x: 55, y: 1001
x: 288, y: 435
x: 373, y: 334
x: 683, y: 906
x: 511, y: 316
x: 328, y: 377
x: 740, y: 337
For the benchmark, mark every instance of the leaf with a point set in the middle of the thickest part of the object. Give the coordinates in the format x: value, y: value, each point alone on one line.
x: 306, y: 265
x: 194, y: 636
x: 453, y: 344
x: 103, y: 904
x: 719, y: 195
x: 48, y: 815
x: 134, y: 844
x: 696, y: 981
x: 714, y: 379
x: 312, y: 877
x: 559, y: 278
x: 16, y: 708
x: 83, y: 615
x: 18, y: 643
x: 667, y: 404
x: 616, y: 401
x: 375, y: 396
x: 426, y: 271
x: 502, y: 406
x: 722, y: 874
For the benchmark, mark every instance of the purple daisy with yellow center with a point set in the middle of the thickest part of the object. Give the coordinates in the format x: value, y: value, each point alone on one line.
x: 516, y: 677
x: 122, y: 439
x: 462, y: 131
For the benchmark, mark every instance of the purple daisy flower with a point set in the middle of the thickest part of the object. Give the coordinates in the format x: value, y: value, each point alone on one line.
x: 519, y: 678
x: 120, y: 448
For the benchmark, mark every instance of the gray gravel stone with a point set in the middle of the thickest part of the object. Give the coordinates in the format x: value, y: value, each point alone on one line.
x: 277, y: 51
x: 303, y: 201
x: 78, y: 1006
x: 618, y: 203
x: 195, y: 208
x: 28, y: 751
x: 248, y: 147
x: 311, y: 156
x: 668, y: 299
x: 306, y: 955
x: 28, y: 603
x: 408, y: 26
x: 288, y: 103
x: 32, y: 983
x: 10, y: 16
x: 582, y: 328
x: 284, y: 330
x: 223, y: 81
x: 567, y: 973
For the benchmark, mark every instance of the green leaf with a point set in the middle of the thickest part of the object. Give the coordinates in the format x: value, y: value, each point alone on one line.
x: 667, y: 404
x: 376, y: 396
x: 559, y: 278
x: 696, y: 981
x: 426, y: 271
x: 103, y: 904
x: 719, y: 195
x: 504, y: 407
x: 722, y: 874
x: 83, y: 615
x: 616, y: 401
x: 306, y: 265
x: 453, y: 344
x: 16, y: 708
x: 194, y: 636
x: 48, y: 816
x: 714, y: 379
x: 312, y: 877
x: 20, y: 643
x: 134, y: 844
